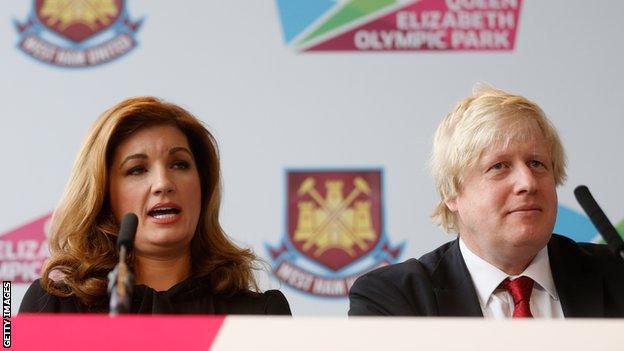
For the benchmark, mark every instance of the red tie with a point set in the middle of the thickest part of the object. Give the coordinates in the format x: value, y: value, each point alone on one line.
x: 520, y: 290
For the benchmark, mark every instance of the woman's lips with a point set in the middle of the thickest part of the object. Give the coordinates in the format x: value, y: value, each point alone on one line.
x: 165, y: 213
x: 165, y: 218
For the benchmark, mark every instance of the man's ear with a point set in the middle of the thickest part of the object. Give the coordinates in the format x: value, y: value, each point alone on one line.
x: 451, y: 204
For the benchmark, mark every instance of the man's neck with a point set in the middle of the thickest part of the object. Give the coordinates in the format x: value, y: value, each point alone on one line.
x: 512, y: 263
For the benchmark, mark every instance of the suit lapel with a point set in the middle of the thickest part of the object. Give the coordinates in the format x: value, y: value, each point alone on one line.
x: 579, y: 287
x: 453, y: 287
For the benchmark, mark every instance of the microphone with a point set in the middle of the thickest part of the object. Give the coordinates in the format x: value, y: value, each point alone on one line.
x: 600, y: 220
x: 120, y: 279
x: 127, y: 231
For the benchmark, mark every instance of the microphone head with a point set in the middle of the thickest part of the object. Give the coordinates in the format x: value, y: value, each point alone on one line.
x: 600, y: 220
x: 581, y: 192
x: 127, y: 230
x: 585, y: 199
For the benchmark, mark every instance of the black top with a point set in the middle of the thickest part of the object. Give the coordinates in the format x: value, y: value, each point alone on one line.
x: 589, y: 280
x: 191, y: 296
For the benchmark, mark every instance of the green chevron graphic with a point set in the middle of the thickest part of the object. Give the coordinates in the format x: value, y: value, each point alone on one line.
x: 348, y: 13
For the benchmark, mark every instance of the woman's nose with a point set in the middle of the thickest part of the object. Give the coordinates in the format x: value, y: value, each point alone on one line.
x: 163, y: 184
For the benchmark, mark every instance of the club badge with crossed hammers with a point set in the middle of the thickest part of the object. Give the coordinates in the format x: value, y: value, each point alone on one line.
x: 333, y: 214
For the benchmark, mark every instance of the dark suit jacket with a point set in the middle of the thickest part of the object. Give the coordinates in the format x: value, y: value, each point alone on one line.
x: 588, y: 277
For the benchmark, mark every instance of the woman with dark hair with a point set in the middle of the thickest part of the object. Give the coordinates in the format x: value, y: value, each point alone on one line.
x: 158, y: 161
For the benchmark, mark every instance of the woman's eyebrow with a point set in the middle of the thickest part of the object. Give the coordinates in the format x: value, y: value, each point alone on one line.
x: 132, y: 157
x: 180, y: 149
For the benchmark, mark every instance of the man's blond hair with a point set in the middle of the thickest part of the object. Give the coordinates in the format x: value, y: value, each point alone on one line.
x: 490, y: 117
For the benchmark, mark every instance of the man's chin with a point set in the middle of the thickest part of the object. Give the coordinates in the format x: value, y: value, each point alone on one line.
x: 530, y: 236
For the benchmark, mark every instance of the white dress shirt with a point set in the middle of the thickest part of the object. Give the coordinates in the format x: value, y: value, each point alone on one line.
x: 497, y: 302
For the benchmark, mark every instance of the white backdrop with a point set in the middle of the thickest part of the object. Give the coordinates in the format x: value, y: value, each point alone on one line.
x: 272, y: 108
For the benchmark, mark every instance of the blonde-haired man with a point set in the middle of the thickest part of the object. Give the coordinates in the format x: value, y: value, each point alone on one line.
x: 496, y: 162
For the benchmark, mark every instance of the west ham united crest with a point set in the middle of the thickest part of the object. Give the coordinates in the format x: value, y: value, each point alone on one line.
x: 77, y: 33
x: 334, y: 230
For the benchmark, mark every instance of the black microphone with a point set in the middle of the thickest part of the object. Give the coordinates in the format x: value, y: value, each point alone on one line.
x: 600, y: 220
x: 127, y: 231
x: 120, y: 279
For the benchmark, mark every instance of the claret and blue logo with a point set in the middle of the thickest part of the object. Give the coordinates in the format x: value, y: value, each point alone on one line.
x: 334, y: 230
x: 77, y: 33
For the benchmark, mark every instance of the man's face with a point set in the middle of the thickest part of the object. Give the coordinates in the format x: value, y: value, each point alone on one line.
x: 507, y: 206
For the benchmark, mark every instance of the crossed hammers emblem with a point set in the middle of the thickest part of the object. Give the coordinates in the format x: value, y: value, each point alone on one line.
x: 334, y: 213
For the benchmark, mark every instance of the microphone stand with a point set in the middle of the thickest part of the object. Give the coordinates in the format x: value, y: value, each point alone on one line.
x: 120, y: 282
x: 599, y: 219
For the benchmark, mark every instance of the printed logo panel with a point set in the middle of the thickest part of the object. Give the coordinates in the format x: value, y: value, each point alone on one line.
x: 23, y: 251
x: 400, y: 25
x: 77, y: 33
x: 77, y: 20
x: 334, y: 217
x: 334, y: 230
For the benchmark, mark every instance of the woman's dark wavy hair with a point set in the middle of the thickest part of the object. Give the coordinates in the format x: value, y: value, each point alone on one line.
x: 83, y: 232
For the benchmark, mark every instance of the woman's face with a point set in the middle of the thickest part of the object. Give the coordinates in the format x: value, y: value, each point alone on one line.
x: 154, y: 175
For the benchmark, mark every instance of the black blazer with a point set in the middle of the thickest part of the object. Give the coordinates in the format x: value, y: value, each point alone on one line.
x: 588, y: 277
x: 192, y: 296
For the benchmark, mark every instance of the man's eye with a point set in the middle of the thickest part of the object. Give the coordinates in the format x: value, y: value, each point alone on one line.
x: 536, y: 164
x: 498, y: 166
x: 136, y: 170
x: 181, y: 165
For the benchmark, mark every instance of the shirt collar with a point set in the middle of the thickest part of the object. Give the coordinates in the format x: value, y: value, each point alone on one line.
x: 539, y: 271
x: 486, y: 277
